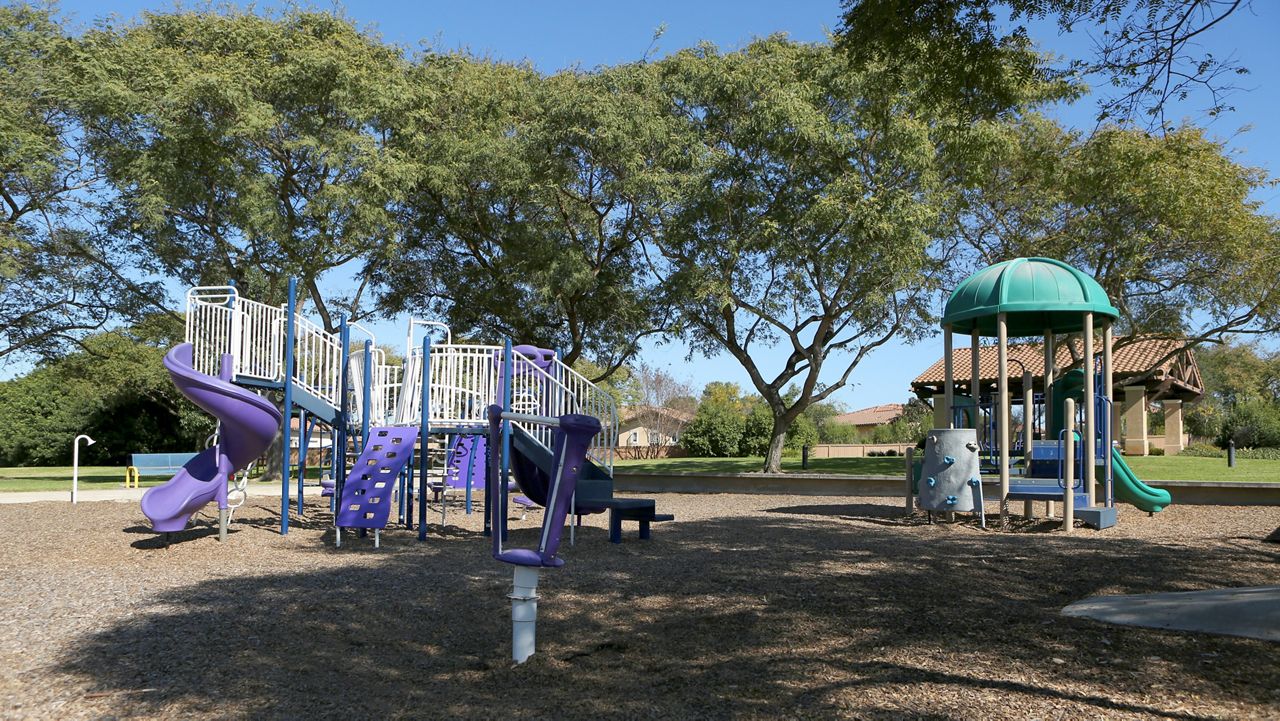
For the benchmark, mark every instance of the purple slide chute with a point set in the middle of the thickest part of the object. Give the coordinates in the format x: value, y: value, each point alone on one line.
x: 247, y: 425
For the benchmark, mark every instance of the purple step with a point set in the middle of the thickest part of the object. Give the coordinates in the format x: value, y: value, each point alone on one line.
x: 466, y: 460
x: 366, y: 495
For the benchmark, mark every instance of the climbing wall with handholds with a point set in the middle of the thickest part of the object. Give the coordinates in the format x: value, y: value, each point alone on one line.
x: 366, y: 495
x: 949, y: 477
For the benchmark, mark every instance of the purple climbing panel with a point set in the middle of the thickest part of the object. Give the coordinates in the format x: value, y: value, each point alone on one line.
x: 366, y: 496
x: 466, y: 459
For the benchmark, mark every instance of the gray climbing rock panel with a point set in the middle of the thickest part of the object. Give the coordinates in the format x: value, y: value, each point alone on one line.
x: 949, y: 476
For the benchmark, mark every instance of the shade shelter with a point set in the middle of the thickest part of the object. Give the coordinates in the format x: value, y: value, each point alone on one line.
x: 1028, y: 297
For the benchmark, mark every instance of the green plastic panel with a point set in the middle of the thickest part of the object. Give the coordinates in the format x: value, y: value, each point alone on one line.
x: 1036, y: 294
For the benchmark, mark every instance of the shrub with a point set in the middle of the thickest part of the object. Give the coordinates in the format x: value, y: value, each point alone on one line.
x: 830, y: 432
x: 1259, y: 454
x: 1203, y: 450
x: 1252, y: 424
x: 1204, y: 419
x: 715, y: 431
x: 803, y: 432
x: 755, y: 431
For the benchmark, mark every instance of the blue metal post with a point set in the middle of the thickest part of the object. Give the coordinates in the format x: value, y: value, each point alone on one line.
x: 424, y: 429
x: 289, y: 337
x: 471, y: 466
x: 365, y: 404
x: 304, y: 443
x: 504, y: 478
x: 406, y: 492
x: 344, y: 416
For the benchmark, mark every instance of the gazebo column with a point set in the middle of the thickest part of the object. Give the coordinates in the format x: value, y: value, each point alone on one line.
x: 1135, y: 420
x: 1002, y: 410
x: 1090, y: 429
x: 949, y: 387
x: 1028, y: 433
x: 1172, y: 426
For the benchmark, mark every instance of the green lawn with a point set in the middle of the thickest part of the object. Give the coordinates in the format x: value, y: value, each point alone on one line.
x: 1166, y: 468
x: 891, y: 466
x: 1192, y: 468
x: 58, y: 478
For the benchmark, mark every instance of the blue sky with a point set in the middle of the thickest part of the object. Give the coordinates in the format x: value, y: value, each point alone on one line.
x: 554, y: 35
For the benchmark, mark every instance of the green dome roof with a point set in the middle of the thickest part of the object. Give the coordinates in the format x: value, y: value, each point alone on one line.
x: 1038, y: 294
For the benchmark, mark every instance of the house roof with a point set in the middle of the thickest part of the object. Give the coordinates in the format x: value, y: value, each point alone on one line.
x: 873, y: 416
x: 632, y: 413
x: 1177, y: 376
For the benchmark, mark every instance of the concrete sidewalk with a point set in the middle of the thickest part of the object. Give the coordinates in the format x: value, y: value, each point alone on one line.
x: 114, y: 494
x: 1250, y: 612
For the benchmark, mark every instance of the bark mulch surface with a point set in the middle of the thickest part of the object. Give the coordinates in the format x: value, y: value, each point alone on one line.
x: 744, y: 607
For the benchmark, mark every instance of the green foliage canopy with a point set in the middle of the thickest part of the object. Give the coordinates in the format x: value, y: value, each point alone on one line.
x: 247, y: 147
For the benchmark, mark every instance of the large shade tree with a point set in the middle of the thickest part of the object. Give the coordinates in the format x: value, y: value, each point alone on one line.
x: 809, y: 201
x: 1145, y: 54
x: 248, y: 147
x: 529, y: 209
x: 1170, y: 225
x: 58, y: 278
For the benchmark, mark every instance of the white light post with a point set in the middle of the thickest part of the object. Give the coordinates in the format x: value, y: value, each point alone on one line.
x: 75, y: 463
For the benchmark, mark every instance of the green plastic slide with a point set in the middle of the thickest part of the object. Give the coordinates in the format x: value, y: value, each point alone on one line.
x: 1131, y: 490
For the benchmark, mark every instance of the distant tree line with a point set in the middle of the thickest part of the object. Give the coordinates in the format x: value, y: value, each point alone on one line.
x: 1242, y: 401
x: 113, y: 388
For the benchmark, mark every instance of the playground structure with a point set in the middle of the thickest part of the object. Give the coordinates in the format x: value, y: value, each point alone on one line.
x: 491, y: 412
x: 400, y: 433
x: 1050, y: 460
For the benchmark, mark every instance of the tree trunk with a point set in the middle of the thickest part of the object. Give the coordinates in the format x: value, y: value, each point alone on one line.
x: 773, y: 461
x: 273, y: 463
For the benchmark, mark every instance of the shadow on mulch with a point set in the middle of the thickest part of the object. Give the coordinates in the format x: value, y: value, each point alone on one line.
x: 890, y: 516
x: 721, y: 618
x: 161, y: 541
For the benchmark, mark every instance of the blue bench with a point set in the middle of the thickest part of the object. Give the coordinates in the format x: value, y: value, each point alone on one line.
x: 154, y: 464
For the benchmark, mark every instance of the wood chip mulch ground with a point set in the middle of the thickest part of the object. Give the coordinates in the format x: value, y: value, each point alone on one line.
x: 744, y: 607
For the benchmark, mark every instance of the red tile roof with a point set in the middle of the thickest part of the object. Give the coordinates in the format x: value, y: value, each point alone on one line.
x: 873, y: 416
x: 1128, y: 360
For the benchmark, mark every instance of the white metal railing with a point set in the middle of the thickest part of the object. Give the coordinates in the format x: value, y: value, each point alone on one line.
x: 384, y: 387
x: 387, y: 387
x: 210, y: 325
x: 464, y: 379
x: 464, y: 382
x: 258, y: 342
x: 219, y: 321
x: 317, y: 361
x: 559, y: 390
x: 409, y: 398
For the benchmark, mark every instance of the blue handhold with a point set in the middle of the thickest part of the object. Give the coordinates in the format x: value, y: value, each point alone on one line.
x: 948, y: 460
x: 933, y: 482
x: 973, y: 482
x: 951, y: 500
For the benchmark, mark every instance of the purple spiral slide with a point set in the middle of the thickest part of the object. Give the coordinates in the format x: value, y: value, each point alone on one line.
x: 248, y: 423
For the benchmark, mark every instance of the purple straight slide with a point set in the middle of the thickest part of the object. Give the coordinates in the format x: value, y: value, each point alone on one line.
x: 248, y: 421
